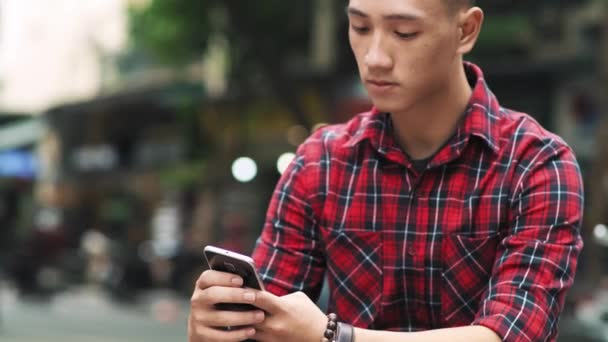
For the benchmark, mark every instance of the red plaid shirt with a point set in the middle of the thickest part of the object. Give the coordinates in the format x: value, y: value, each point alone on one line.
x: 488, y: 234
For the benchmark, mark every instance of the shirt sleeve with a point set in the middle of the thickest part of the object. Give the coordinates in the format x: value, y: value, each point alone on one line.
x: 536, y: 260
x: 289, y: 254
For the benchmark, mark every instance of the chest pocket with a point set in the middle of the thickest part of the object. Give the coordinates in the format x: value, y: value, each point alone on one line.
x: 354, y: 264
x: 467, y: 268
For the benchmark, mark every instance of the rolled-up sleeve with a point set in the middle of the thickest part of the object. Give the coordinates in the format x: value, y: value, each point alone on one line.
x: 537, y: 257
x: 289, y: 254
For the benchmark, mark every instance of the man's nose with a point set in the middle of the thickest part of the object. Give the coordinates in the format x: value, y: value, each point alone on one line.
x: 377, y: 56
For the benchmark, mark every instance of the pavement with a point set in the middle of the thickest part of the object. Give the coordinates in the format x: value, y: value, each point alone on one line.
x: 87, y: 314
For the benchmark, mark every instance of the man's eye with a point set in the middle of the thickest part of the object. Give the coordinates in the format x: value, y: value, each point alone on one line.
x: 360, y: 29
x: 403, y: 35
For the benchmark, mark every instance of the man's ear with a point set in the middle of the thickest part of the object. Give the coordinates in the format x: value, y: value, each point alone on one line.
x: 469, y: 24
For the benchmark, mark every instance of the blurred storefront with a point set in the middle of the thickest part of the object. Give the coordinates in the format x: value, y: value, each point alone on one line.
x: 19, y: 169
x: 108, y: 166
x: 151, y: 170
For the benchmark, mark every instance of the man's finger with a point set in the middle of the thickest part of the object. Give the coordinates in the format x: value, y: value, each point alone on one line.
x: 215, y: 278
x: 233, y: 318
x: 268, y: 302
x: 221, y: 294
x: 233, y: 335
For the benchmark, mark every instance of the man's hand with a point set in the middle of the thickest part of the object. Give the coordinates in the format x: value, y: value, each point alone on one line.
x: 293, y: 318
x: 207, y: 324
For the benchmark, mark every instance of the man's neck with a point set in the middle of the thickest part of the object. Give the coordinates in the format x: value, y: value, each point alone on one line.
x: 424, y: 128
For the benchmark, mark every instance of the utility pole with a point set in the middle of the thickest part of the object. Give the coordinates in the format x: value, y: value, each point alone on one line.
x: 323, y: 42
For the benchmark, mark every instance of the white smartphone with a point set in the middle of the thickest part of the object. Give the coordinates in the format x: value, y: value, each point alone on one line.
x: 223, y: 260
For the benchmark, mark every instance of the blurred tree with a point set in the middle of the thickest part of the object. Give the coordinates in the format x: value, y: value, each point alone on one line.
x: 173, y: 31
x: 263, y: 40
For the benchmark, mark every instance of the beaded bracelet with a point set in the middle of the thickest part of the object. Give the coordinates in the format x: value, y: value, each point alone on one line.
x: 330, y: 331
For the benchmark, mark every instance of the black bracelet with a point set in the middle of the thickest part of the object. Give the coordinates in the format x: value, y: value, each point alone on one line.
x: 346, y: 333
x: 330, y: 330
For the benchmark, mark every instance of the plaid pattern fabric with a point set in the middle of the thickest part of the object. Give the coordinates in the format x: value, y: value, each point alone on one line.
x: 488, y: 234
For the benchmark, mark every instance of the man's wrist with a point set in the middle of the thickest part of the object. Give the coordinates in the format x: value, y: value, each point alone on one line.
x: 337, y: 331
x: 330, y: 332
x: 345, y: 333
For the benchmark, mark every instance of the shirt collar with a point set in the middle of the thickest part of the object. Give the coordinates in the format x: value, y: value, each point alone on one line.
x: 480, y: 120
x: 374, y: 126
x: 483, y: 112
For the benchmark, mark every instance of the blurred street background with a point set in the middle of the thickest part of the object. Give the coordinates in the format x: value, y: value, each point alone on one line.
x: 135, y: 132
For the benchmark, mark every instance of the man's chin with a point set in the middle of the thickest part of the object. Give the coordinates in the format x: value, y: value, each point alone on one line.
x: 386, y: 106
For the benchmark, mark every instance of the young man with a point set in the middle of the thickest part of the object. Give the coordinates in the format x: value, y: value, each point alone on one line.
x: 437, y: 216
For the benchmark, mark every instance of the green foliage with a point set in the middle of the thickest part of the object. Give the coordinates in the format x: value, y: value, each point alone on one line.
x: 262, y: 37
x: 174, y: 31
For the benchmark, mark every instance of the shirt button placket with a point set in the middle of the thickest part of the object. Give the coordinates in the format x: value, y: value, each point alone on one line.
x: 415, y: 185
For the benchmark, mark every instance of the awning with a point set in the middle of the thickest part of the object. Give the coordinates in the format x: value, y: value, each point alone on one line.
x: 21, y: 133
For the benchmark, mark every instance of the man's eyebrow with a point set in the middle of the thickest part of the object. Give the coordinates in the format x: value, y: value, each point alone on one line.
x: 396, y: 16
x: 403, y: 17
x: 355, y: 12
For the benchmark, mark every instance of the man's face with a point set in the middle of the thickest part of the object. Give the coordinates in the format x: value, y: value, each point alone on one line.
x: 406, y: 50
